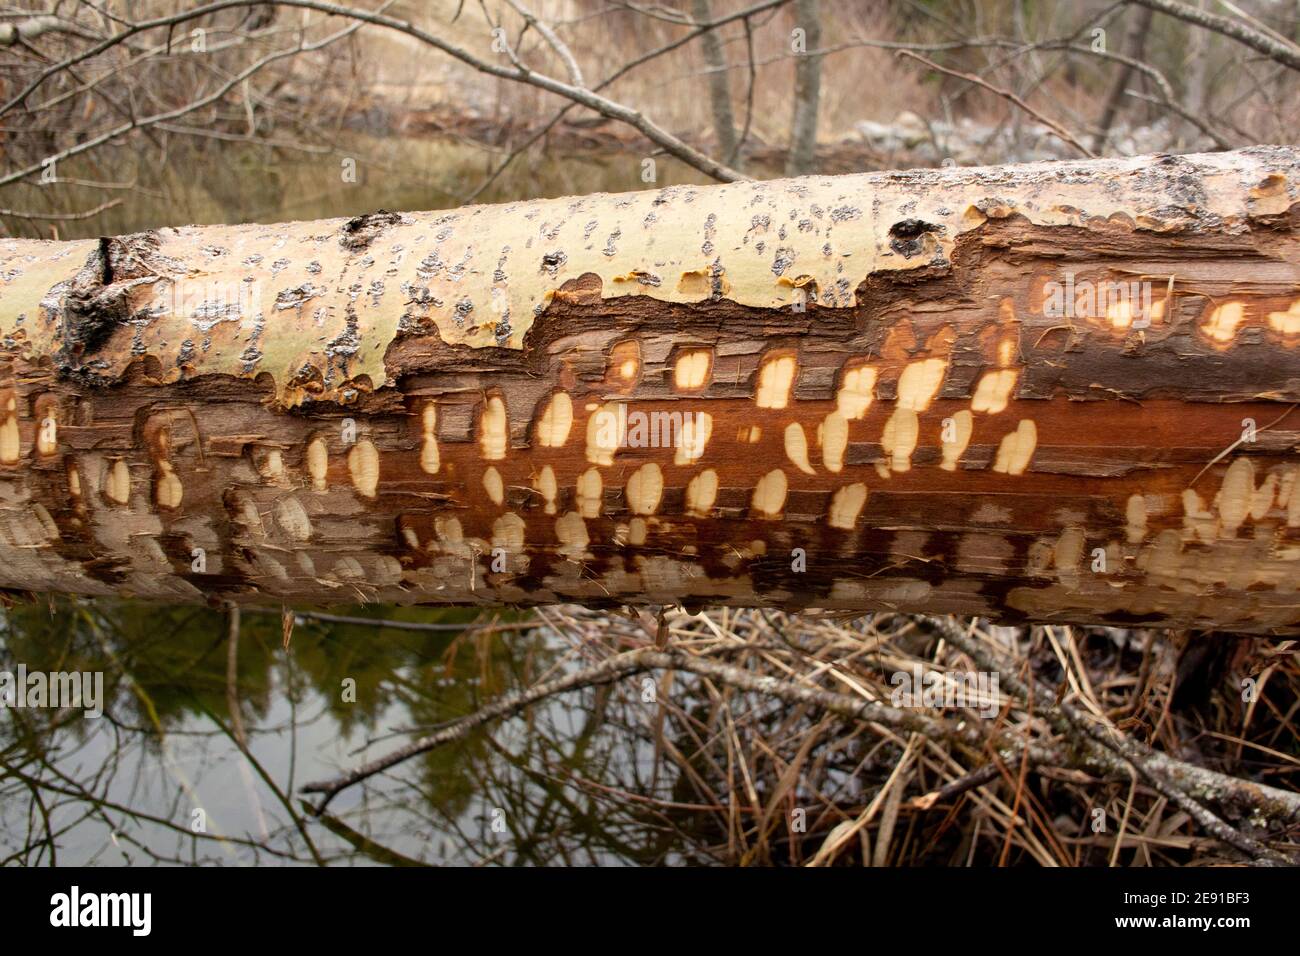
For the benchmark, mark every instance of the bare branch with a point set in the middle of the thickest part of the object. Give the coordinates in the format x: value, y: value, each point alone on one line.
x: 25, y: 30
x: 1287, y: 54
x: 1060, y: 131
x: 552, y: 39
x: 62, y: 216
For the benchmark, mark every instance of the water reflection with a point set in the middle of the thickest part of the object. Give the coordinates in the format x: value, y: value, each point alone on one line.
x: 162, y: 776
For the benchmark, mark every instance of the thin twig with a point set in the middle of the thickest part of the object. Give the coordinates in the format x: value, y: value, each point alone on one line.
x: 1056, y: 128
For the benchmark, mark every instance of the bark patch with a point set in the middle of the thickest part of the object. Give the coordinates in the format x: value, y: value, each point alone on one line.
x: 361, y: 231
x: 100, y: 296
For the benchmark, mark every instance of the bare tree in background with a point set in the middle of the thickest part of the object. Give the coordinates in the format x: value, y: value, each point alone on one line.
x: 807, y: 90
x: 724, y: 122
x: 1134, y: 47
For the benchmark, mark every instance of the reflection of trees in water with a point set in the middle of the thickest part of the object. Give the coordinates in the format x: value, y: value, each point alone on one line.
x: 177, y: 657
x: 166, y: 700
x: 124, y: 787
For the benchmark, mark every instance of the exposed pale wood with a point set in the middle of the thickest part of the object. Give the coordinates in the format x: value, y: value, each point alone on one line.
x: 339, y: 411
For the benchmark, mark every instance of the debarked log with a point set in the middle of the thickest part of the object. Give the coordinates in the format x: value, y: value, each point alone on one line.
x: 1063, y: 392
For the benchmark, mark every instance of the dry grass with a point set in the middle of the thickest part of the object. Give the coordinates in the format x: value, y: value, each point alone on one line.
x: 749, y: 778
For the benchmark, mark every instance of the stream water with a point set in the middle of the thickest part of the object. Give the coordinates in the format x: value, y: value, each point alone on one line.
x: 161, y: 777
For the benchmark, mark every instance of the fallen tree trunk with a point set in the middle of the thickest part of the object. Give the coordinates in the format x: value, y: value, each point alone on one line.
x: 1063, y: 392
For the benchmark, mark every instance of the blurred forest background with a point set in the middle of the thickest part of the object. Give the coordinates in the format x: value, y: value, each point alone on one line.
x: 118, y: 117
x: 265, y: 113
